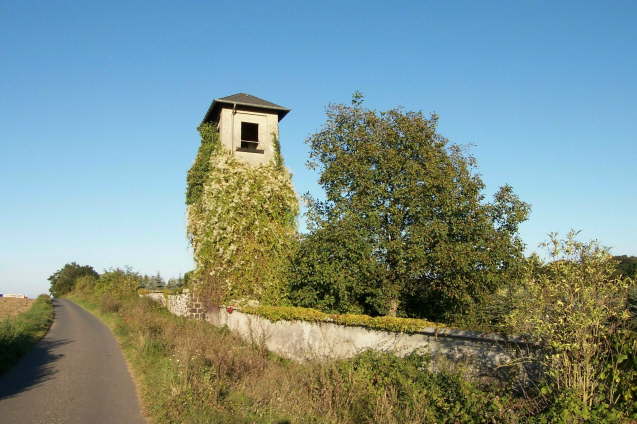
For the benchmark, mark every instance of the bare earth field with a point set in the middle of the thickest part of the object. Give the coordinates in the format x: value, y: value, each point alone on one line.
x: 10, y: 306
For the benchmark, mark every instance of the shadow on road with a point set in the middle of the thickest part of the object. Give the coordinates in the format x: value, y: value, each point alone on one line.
x: 33, y: 369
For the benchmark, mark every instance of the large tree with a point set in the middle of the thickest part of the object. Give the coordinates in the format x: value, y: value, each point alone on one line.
x: 63, y: 280
x: 409, y: 207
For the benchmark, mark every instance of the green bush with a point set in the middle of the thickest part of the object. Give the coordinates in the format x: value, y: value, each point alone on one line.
x: 338, y: 279
x: 64, y: 279
x: 575, y: 306
x: 118, y: 283
x: 409, y: 392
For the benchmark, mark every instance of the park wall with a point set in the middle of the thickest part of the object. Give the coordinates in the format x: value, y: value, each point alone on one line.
x: 480, y: 354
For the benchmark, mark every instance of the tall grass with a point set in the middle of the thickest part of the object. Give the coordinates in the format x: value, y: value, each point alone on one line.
x: 19, y: 333
x: 192, y: 372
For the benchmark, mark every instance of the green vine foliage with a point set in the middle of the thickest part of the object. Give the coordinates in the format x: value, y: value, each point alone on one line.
x: 241, y: 225
x: 199, y: 170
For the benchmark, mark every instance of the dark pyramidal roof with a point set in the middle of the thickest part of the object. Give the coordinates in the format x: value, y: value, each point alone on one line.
x: 245, y: 100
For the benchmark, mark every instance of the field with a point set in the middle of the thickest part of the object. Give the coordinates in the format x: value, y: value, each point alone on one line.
x: 11, y: 307
x: 22, y: 323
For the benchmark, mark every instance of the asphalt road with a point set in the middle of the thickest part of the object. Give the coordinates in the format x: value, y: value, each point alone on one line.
x: 76, y: 374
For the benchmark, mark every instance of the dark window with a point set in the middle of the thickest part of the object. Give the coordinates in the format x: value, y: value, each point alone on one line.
x: 249, y: 136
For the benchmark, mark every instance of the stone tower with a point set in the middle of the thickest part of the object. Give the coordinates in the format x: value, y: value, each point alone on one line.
x: 247, y: 126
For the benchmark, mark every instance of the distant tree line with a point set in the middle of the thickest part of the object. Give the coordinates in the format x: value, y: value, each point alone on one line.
x: 66, y: 278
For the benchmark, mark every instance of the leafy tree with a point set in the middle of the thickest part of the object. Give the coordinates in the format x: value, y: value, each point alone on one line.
x: 626, y: 266
x: 408, y: 206
x: 63, y: 280
x: 335, y: 279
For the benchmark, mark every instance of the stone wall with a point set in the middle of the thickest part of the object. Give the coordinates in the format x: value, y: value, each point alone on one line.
x: 482, y: 354
x: 179, y: 304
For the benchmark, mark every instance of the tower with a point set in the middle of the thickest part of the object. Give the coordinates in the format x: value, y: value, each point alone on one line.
x: 247, y: 126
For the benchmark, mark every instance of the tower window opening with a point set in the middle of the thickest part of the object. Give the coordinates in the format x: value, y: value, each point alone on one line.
x: 249, y: 136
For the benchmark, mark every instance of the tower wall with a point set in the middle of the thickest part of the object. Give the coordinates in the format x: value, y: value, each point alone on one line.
x: 230, y: 134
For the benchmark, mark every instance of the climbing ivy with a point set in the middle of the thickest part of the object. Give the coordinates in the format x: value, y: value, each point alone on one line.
x: 199, y: 170
x: 241, y: 224
x: 278, y: 158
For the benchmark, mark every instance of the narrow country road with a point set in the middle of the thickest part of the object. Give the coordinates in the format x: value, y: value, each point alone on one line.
x: 76, y: 374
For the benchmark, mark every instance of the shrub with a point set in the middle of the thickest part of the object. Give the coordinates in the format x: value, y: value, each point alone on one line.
x: 576, y: 307
x: 63, y: 280
x: 338, y: 279
x: 85, y: 283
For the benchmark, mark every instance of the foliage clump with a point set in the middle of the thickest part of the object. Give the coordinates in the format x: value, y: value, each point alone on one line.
x: 63, y: 280
x: 241, y: 224
x: 197, y: 174
x: 576, y: 306
x: 626, y: 266
x: 404, y: 227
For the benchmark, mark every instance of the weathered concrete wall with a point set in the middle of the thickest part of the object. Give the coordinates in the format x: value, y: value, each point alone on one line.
x: 482, y: 354
x: 158, y: 297
x: 230, y: 133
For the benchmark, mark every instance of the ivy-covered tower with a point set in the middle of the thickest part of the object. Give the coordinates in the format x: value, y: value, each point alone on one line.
x: 247, y: 125
x: 241, y: 204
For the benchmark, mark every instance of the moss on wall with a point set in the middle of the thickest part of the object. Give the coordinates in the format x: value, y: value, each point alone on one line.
x: 290, y: 313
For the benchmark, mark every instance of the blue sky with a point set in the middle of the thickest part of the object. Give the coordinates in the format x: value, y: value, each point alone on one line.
x: 99, y: 102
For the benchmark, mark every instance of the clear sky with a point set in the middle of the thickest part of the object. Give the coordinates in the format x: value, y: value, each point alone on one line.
x: 99, y: 102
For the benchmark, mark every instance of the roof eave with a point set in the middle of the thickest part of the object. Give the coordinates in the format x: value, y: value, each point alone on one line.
x: 281, y: 110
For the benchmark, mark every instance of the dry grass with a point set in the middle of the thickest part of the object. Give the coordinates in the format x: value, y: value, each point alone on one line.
x: 192, y: 372
x: 10, y: 307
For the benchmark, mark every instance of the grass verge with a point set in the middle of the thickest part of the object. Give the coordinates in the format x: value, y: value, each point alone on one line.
x: 19, y: 333
x: 192, y: 372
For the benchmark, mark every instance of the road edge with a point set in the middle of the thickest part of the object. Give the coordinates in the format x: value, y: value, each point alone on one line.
x: 108, y: 321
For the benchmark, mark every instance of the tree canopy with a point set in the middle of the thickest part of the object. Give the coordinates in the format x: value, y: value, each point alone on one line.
x: 404, y: 227
x: 63, y: 280
x: 626, y: 265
